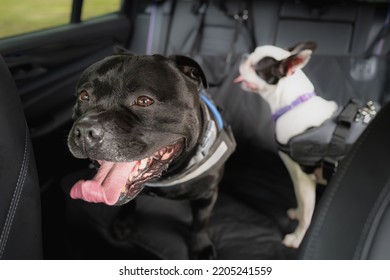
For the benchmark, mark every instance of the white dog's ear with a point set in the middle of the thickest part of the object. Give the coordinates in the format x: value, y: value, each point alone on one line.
x: 294, y: 62
x: 309, y: 45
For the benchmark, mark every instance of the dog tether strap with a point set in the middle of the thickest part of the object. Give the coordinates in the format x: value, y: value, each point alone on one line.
x: 301, y: 99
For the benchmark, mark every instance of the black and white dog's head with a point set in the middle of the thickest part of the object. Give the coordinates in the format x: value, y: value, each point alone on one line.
x: 262, y: 70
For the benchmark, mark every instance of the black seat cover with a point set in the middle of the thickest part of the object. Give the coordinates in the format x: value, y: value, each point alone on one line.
x: 352, y: 220
x: 20, y: 208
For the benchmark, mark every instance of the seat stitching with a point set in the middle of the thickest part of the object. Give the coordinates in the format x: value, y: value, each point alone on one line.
x: 15, y: 198
x: 370, y: 219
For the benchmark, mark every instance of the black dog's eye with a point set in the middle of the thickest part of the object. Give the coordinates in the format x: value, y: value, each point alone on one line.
x: 143, y: 101
x: 84, y: 96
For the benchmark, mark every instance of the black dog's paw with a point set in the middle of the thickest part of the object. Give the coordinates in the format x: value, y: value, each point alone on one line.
x: 202, y: 248
x: 123, y: 225
x: 207, y: 253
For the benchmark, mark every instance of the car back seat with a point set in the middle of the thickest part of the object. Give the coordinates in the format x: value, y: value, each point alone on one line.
x: 342, y: 30
x: 171, y: 27
x: 254, y: 177
x: 338, y: 27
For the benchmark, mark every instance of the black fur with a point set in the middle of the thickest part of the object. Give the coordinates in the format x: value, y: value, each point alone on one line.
x: 107, y: 106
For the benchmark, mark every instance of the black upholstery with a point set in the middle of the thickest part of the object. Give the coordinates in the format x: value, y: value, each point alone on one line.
x: 343, y: 32
x: 249, y: 219
x: 353, y: 218
x: 337, y: 28
x: 20, y: 216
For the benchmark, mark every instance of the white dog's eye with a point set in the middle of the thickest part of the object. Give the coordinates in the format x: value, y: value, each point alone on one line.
x: 143, y: 101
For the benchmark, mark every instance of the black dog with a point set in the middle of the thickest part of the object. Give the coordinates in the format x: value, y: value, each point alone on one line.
x: 145, y: 121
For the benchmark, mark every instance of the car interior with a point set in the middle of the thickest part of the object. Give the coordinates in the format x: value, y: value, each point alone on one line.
x: 38, y: 75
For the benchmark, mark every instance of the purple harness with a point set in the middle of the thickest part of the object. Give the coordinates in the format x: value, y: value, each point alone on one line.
x: 301, y: 99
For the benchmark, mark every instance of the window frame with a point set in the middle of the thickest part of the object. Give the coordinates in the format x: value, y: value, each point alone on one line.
x: 77, y: 9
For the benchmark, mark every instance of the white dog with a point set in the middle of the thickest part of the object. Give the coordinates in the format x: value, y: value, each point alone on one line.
x: 275, y: 74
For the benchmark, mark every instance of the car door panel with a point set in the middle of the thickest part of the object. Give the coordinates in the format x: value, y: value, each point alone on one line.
x: 46, y: 66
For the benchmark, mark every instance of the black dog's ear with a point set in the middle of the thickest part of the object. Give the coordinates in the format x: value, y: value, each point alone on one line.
x: 190, y: 68
x: 119, y: 50
x: 309, y: 45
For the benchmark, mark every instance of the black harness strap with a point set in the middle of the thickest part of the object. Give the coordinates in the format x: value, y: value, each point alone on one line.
x: 240, y: 14
x: 337, y: 144
x: 324, y: 146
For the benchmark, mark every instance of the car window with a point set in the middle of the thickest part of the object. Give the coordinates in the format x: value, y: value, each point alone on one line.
x: 94, y: 8
x: 25, y: 16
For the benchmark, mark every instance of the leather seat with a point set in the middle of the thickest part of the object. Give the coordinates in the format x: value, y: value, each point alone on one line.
x: 352, y: 220
x: 20, y: 207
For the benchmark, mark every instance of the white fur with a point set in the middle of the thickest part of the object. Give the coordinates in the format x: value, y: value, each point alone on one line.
x: 311, y: 113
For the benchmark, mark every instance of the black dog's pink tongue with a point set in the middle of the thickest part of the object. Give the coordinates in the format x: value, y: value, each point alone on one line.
x: 107, y: 184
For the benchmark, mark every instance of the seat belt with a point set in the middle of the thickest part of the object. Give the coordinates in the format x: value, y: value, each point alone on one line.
x: 241, y: 18
x: 159, y: 26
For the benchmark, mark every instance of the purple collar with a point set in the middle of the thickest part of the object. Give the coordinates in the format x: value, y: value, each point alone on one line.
x: 301, y: 99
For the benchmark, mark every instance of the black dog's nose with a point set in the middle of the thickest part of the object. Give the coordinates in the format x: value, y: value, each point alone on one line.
x: 88, y: 134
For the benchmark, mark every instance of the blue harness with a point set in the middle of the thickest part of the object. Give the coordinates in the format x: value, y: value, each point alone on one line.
x: 215, y: 148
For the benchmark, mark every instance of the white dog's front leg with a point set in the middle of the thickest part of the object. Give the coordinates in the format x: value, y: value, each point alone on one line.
x: 304, y: 187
